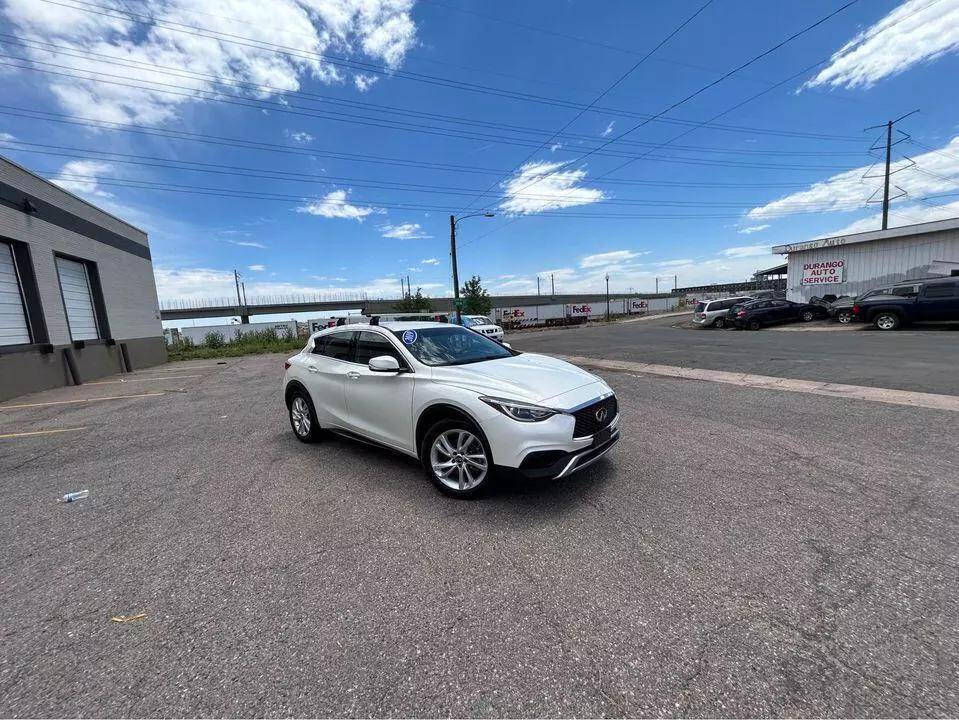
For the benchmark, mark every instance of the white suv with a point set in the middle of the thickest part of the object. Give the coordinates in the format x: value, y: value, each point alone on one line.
x: 463, y: 404
x: 482, y: 325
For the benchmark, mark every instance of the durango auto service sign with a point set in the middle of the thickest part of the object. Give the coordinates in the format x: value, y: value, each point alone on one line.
x: 831, y: 272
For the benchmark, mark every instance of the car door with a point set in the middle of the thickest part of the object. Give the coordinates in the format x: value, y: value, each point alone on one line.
x: 326, y: 367
x: 380, y: 404
x: 938, y: 301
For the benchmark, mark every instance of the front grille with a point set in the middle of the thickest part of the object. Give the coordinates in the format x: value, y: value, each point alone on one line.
x: 586, y: 422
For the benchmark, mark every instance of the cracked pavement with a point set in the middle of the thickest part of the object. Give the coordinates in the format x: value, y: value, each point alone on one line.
x: 742, y: 552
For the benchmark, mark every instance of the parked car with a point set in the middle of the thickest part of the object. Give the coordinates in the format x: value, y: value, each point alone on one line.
x: 463, y: 404
x: 760, y: 313
x: 911, y: 301
x: 841, y: 309
x: 481, y: 324
x: 712, y: 313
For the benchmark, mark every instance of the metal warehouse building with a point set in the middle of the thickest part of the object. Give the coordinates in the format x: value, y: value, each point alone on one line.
x: 77, y: 295
x: 853, y: 264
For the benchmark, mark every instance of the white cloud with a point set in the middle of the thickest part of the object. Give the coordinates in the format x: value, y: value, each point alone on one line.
x: 382, y: 30
x: 301, y: 137
x: 80, y: 177
x: 430, y: 261
x: 364, y: 82
x: 6, y: 137
x: 753, y: 229
x: 335, y: 205
x: 554, y: 147
x: 209, y: 283
x: 609, y: 129
x: 540, y: 186
x: 899, y: 216
x: 404, y: 231
x: 747, y: 251
x: 676, y: 263
x: 607, y: 258
x: 256, y: 268
x: 877, y: 53
x: 247, y: 243
x: 847, y: 191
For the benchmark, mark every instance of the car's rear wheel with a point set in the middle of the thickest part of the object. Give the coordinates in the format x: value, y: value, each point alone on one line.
x: 887, y: 321
x: 456, y: 458
x: 807, y: 316
x: 303, y: 418
x: 753, y: 325
x: 844, y: 316
x: 719, y: 323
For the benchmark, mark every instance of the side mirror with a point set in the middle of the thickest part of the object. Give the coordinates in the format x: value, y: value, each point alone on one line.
x: 384, y: 363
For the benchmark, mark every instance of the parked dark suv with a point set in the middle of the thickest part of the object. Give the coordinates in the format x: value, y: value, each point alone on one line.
x: 911, y: 301
x: 754, y: 315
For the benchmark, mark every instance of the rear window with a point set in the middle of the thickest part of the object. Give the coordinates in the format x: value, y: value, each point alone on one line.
x: 700, y: 307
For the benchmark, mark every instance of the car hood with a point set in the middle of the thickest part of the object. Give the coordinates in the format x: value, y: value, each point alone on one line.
x: 530, y: 377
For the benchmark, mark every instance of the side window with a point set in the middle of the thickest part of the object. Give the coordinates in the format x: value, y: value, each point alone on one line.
x: 370, y: 345
x: 940, y: 290
x: 337, y: 345
x: 319, y: 345
x: 906, y: 290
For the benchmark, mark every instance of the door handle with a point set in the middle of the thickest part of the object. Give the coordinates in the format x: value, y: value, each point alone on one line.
x: 312, y: 368
x: 353, y: 375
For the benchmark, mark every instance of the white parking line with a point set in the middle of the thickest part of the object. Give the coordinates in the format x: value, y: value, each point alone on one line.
x: 158, y: 378
x: 40, y: 432
x: 82, y: 400
x: 767, y: 382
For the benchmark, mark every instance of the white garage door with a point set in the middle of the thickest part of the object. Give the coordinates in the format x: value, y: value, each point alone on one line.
x: 13, y: 321
x: 77, y: 299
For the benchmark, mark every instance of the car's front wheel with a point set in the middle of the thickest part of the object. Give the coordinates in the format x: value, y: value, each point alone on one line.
x: 807, y: 316
x: 887, y: 321
x: 456, y: 458
x: 303, y: 418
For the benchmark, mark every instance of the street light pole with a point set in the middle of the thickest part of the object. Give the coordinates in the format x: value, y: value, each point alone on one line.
x: 607, y: 297
x: 456, y: 275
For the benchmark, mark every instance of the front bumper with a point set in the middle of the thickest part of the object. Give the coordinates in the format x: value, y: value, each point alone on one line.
x: 567, y: 463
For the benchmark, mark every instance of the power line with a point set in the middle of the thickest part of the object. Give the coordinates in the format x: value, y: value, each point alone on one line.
x: 603, y: 94
x: 393, y: 72
x: 706, y: 87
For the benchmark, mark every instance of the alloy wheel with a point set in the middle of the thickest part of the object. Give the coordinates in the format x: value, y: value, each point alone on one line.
x: 886, y: 322
x: 844, y: 317
x: 301, y: 416
x: 458, y: 459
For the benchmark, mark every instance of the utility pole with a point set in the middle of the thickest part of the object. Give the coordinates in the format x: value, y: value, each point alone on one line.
x: 456, y: 276
x: 552, y: 286
x: 889, y: 143
x: 607, y: 297
x: 409, y: 288
x: 537, y: 286
x: 402, y: 294
x: 243, y: 285
x: 675, y: 281
x: 236, y: 279
x: 657, y: 285
x: 885, y: 193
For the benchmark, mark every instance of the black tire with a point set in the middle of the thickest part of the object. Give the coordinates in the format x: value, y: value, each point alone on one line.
x: 844, y: 317
x: 308, y: 432
x: 753, y: 324
x: 426, y: 449
x: 807, y: 316
x: 887, y: 320
x: 719, y: 323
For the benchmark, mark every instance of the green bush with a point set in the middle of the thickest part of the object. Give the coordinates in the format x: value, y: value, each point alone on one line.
x: 214, y: 340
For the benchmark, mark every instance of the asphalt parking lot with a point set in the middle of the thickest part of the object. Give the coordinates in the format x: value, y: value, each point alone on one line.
x: 742, y: 552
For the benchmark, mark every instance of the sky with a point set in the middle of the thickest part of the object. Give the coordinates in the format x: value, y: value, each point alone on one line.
x: 319, y: 147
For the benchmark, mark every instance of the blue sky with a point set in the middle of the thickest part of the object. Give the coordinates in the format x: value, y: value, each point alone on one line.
x: 336, y: 136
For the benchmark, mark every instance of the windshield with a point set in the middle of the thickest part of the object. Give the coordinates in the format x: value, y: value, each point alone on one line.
x: 450, y: 346
x: 480, y: 320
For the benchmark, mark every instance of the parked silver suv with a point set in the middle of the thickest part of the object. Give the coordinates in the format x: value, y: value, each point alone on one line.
x: 712, y: 313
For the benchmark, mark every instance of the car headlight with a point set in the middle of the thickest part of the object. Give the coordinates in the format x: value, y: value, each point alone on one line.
x: 521, y: 411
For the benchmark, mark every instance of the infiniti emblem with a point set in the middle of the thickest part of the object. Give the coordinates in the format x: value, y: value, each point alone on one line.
x: 601, y: 415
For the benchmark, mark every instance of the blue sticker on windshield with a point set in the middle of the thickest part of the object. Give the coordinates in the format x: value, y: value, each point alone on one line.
x: 409, y: 337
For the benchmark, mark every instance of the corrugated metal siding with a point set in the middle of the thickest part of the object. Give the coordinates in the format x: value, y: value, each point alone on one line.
x: 875, y: 263
x: 77, y: 299
x: 13, y: 323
